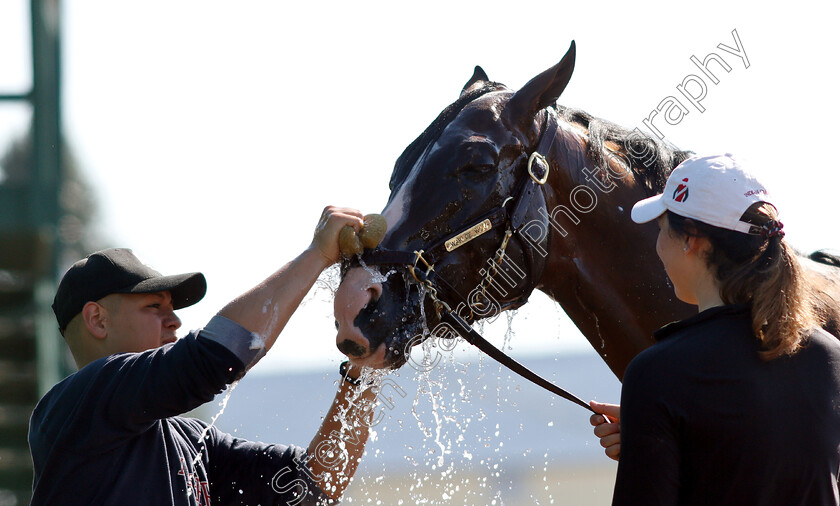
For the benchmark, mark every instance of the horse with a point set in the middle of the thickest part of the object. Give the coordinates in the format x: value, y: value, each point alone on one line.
x: 507, y: 192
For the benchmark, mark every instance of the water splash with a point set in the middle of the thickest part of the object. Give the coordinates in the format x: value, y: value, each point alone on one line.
x: 509, y: 333
x: 328, y: 281
x: 203, y: 436
x: 444, y: 464
x: 370, y: 379
x: 431, y: 357
x: 375, y: 275
x: 431, y: 389
x: 598, y: 329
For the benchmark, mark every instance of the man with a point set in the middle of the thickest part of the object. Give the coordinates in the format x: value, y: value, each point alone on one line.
x: 110, y: 433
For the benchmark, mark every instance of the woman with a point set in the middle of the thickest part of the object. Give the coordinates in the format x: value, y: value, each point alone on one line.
x: 739, y: 404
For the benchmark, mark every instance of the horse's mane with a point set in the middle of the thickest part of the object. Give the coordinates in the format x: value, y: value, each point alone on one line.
x: 651, y: 160
x: 416, y: 149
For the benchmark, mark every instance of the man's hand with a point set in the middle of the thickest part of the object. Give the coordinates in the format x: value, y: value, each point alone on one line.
x: 333, y: 219
x: 607, y: 427
x: 266, y: 308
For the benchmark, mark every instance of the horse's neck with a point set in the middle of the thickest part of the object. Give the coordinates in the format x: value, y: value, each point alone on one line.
x: 824, y: 281
x: 603, y: 269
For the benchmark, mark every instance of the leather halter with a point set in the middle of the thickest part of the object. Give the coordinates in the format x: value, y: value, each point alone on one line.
x: 421, y: 262
x: 514, y: 218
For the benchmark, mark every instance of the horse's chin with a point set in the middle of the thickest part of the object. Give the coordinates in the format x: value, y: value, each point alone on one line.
x: 397, y: 345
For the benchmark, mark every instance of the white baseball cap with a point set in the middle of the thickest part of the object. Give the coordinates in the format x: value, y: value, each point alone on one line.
x: 713, y: 189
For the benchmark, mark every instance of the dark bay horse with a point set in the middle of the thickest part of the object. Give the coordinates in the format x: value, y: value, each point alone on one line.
x: 477, y: 221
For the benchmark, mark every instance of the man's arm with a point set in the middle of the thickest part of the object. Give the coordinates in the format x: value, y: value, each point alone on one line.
x: 337, y: 448
x: 278, y: 474
x: 266, y: 308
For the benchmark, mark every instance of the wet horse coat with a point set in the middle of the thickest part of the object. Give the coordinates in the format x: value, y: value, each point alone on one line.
x: 571, y: 237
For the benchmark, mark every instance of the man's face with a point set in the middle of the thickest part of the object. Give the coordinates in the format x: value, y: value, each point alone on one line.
x: 140, y: 322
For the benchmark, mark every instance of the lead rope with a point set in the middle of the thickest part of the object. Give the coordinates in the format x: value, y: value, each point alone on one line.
x: 463, y: 328
x: 477, y: 340
x: 470, y: 335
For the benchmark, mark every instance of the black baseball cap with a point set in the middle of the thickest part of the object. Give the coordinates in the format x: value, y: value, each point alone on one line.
x: 117, y: 270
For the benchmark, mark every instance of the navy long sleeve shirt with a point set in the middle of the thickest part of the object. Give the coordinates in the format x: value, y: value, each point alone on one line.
x: 705, y: 421
x: 110, y: 433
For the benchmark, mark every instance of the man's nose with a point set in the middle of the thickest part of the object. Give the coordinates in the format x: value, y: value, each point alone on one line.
x: 172, y: 321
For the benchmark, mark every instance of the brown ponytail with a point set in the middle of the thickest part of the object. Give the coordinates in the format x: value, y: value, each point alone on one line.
x: 761, y: 270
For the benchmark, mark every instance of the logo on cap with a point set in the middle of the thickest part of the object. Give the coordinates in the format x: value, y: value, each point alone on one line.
x: 681, y: 193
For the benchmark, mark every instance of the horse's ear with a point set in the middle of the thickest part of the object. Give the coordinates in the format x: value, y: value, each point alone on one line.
x: 543, y: 90
x: 476, y: 81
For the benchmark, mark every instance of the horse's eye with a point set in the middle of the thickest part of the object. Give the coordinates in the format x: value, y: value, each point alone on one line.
x: 477, y: 170
x: 476, y: 160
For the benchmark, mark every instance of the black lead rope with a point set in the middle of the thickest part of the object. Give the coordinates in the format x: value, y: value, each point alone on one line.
x: 477, y: 340
x: 431, y: 254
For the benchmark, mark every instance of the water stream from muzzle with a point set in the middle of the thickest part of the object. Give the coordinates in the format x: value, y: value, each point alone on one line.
x: 426, y: 385
x: 445, y: 413
x: 463, y: 453
x: 440, y: 419
x: 370, y: 379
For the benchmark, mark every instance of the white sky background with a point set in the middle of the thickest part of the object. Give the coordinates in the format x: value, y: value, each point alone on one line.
x: 215, y: 132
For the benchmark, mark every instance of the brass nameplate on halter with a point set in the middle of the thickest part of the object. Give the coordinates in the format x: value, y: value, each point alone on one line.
x: 468, y: 235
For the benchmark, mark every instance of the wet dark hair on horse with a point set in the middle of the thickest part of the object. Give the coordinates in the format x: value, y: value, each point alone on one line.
x: 763, y: 272
x: 416, y: 149
x: 651, y: 160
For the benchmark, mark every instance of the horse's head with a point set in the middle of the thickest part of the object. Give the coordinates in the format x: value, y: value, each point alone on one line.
x: 456, y: 193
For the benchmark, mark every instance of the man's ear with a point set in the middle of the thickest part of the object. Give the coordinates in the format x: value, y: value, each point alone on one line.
x: 94, y: 316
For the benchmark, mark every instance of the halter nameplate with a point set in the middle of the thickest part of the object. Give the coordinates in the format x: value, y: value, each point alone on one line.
x: 468, y: 235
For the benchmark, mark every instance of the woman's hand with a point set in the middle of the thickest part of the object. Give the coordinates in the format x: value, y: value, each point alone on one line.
x: 607, y: 427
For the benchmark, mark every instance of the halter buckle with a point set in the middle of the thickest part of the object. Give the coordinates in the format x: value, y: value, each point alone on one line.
x: 423, y: 276
x: 543, y: 163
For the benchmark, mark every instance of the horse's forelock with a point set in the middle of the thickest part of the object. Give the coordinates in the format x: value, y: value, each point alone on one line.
x: 412, y: 153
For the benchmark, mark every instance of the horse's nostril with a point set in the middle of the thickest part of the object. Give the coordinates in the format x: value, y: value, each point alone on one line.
x: 375, y: 293
x: 336, y: 325
x: 373, y: 302
x: 348, y: 347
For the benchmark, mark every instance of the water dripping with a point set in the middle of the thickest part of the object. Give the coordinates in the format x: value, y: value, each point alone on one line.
x: 509, y: 333
x: 598, y: 329
x: 375, y: 275
x: 203, y: 436
x: 370, y: 378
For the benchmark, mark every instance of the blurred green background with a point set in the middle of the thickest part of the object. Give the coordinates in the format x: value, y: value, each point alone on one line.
x: 44, y: 207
